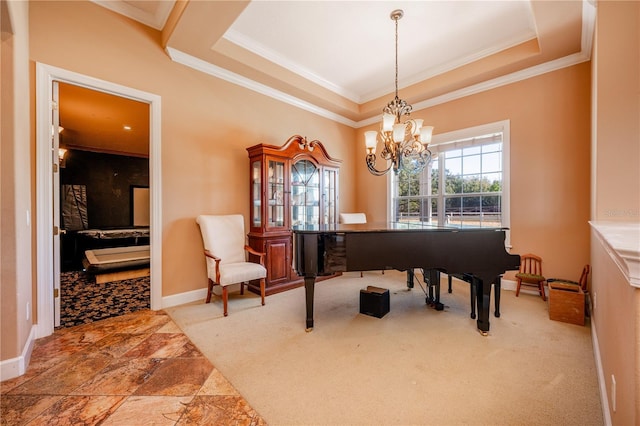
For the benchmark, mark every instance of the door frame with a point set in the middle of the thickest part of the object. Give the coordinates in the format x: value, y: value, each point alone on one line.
x: 45, y: 75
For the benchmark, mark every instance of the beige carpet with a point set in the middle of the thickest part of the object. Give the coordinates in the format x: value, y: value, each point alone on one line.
x: 415, y: 366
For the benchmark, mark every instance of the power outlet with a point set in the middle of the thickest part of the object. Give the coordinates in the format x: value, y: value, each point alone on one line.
x: 28, y: 310
x: 595, y: 297
x: 613, y: 393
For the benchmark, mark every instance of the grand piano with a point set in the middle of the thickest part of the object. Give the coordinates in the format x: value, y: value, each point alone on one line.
x: 478, y: 253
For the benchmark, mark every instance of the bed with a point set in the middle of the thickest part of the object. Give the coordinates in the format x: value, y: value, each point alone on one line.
x: 118, y: 263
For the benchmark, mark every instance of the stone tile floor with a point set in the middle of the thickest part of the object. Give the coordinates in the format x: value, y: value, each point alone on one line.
x: 129, y: 370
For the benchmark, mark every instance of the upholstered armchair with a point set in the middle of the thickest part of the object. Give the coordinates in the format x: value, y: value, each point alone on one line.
x: 226, y: 255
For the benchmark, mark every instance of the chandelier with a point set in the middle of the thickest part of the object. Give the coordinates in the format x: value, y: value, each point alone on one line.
x: 405, y: 144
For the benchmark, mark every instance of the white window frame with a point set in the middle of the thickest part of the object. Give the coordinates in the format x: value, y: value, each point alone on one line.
x: 443, y: 139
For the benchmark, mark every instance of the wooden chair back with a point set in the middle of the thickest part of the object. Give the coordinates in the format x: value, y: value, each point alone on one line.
x: 530, y: 264
x: 348, y: 218
x: 583, y: 278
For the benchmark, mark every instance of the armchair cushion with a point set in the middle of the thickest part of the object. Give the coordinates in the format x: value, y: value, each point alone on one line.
x: 231, y: 273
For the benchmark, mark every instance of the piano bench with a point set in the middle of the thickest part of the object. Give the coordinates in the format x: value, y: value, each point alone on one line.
x: 374, y: 301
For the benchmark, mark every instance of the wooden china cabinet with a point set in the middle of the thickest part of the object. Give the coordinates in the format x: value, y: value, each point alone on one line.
x: 294, y: 184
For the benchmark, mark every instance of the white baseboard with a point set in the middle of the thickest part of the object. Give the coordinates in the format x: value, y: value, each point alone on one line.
x: 183, y: 298
x: 508, y: 284
x: 14, y: 367
x: 604, y: 401
x: 513, y: 285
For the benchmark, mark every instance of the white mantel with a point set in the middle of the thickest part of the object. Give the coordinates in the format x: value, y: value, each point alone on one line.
x: 622, y: 242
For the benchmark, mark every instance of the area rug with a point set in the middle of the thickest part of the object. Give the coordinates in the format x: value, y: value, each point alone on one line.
x: 82, y: 300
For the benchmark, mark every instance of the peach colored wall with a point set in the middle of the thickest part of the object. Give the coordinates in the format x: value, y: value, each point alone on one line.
x: 616, y: 197
x: 617, y: 117
x: 206, y: 123
x: 8, y: 346
x: 616, y: 317
x: 550, y: 154
x: 15, y: 275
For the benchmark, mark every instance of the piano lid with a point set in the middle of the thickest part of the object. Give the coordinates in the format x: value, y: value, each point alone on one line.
x: 391, y: 226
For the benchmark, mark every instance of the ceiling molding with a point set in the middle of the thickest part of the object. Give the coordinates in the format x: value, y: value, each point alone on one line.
x: 213, y: 70
x: 153, y: 18
x: 515, y: 77
x: 216, y: 71
x: 246, y: 43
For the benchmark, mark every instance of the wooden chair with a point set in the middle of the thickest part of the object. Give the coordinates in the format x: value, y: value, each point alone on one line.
x: 226, y: 255
x: 582, y: 282
x: 531, y: 274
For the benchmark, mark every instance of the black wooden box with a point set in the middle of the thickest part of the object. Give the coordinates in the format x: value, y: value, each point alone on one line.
x: 374, y: 301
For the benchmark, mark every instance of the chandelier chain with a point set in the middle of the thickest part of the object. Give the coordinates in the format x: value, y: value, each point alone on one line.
x: 396, y: 19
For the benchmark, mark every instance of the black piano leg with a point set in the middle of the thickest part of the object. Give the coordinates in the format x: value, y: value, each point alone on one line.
x: 450, y: 289
x: 496, y: 290
x: 309, y: 286
x: 474, y: 296
x: 484, y: 299
x: 410, y: 278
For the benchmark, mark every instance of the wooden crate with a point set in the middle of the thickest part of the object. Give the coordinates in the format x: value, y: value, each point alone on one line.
x: 566, y: 302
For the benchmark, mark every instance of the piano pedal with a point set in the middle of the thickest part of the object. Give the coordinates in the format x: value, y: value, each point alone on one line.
x: 432, y: 303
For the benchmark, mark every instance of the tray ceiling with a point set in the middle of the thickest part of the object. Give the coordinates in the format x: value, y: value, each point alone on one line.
x: 337, y: 58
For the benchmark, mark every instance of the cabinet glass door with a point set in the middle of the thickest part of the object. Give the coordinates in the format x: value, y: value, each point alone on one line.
x: 305, y: 193
x: 275, y: 193
x: 330, y: 196
x: 256, y: 185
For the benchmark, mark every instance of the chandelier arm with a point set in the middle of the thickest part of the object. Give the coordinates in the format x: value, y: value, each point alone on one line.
x: 371, y: 165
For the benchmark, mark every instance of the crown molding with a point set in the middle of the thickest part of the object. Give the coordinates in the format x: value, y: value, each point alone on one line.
x: 216, y: 71
x: 154, y: 19
x: 525, y: 74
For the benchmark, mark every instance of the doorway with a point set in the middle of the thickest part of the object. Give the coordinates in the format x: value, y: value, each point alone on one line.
x: 46, y: 76
x: 103, y: 160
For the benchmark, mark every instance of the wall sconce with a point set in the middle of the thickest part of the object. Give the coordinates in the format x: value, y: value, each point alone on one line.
x: 61, y: 154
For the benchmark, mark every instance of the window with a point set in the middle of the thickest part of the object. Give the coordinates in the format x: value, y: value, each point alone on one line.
x: 466, y: 183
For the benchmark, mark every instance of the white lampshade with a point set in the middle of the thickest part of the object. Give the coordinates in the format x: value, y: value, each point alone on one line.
x: 398, y: 132
x: 387, y: 122
x: 417, y: 126
x: 425, y: 134
x: 370, y: 140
